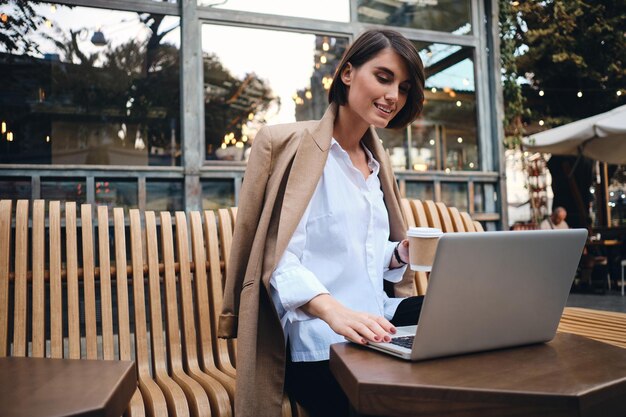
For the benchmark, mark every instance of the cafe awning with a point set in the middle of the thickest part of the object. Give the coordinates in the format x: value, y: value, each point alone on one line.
x: 601, y: 137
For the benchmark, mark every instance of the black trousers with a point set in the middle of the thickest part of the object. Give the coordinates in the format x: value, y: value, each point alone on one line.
x: 314, y: 386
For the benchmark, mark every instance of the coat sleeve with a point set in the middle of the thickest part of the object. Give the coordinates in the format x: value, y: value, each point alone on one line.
x: 248, y: 214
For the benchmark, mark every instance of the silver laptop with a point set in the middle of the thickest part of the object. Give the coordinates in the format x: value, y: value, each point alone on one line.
x: 492, y: 290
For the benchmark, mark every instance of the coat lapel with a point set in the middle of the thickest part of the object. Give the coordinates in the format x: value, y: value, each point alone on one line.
x: 306, y: 171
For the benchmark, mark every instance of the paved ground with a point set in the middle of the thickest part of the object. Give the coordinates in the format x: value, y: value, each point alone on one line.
x: 609, y: 301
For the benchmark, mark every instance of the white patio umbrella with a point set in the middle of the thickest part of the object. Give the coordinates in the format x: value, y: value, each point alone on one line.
x: 601, y: 137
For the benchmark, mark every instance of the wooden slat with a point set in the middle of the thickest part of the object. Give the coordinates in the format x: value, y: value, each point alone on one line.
x: 180, y: 385
x: 217, y: 395
x: 139, y: 302
x: 226, y: 238
x: 121, y: 279
x: 175, y: 400
x: 431, y: 214
x: 408, y: 213
x: 467, y: 222
x: 20, y: 300
x: 204, y: 313
x: 478, y: 227
x: 56, y: 286
x: 444, y: 217
x: 225, y: 356
x: 104, y: 263
x: 6, y: 211
x: 419, y: 214
x: 457, y: 221
x: 71, y: 259
x: 89, y: 286
x: 39, y: 253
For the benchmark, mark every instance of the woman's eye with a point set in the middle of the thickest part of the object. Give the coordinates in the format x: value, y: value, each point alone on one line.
x: 382, y: 79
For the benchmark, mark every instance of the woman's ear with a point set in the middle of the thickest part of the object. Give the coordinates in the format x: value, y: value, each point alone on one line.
x: 346, y: 74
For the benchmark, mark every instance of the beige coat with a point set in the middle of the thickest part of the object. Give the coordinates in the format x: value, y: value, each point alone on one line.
x: 284, y: 169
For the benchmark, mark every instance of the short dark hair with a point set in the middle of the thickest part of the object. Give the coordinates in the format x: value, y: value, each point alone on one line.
x: 366, y: 47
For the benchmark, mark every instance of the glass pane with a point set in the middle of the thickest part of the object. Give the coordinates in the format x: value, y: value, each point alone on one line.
x: 116, y: 193
x: 445, y: 134
x: 454, y: 194
x: 395, y: 142
x: 64, y: 189
x: 282, y: 77
x: 479, y: 198
x: 450, y: 16
x: 333, y: 10
x: 164, y: 195
x: 419, y: 190
x: 15, y: 188
x: 218, y: 194
x: 92, y: 87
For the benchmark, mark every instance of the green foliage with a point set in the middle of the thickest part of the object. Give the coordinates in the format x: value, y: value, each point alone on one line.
x: 512, y: 92
x: 571, y: 46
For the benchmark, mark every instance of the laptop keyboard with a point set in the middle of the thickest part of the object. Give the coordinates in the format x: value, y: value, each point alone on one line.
x: 404, y: 341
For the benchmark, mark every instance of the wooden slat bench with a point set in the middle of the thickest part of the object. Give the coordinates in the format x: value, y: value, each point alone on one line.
x: 608, y: 327
x: 149, y: 288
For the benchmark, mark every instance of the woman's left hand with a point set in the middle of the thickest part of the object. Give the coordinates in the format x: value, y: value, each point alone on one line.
x: 403, y: 252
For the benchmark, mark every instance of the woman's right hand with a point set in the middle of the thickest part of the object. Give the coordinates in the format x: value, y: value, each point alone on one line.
x: 354, y: 325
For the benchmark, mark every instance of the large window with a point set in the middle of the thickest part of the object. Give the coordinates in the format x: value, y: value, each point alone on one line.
x: 254, y: 77
x: 444, y: 137
x: 333, y: 10
x: 91, y: 87
x: 452, y: 16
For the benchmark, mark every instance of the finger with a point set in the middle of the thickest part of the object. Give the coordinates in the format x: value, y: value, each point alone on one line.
x: 367, y: 333
x: 386, y: 325
x: 353, y: 336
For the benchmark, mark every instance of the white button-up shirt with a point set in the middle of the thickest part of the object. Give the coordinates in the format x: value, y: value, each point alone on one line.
x: 340, y: 247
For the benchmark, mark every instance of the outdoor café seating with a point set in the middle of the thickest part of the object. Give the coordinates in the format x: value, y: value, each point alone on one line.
x: 148, y: 287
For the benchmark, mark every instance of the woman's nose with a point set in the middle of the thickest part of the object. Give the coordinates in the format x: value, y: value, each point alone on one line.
x: 392, y: 94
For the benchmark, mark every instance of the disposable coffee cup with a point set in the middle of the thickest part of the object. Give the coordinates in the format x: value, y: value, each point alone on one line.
x: 422, y: 247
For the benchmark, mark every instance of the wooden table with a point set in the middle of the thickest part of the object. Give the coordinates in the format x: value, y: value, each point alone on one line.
x: 35, y: 387
x: 570, y: 376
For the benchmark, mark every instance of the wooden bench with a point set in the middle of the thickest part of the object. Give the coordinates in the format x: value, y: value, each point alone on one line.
x: 608, y: 327
x: 147, y: 287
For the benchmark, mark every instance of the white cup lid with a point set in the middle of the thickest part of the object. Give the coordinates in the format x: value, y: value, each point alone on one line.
x: 424, y: 232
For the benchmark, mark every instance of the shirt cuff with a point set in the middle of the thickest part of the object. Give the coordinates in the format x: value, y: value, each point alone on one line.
x: 296, y: 287
x: 389, y: 247
x: 390, y: 306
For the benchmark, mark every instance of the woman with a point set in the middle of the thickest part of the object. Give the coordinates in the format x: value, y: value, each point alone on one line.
x: 318, y: 228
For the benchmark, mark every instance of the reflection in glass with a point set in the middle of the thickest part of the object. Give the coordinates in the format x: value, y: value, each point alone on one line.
x: 116, y: 193
x: 420, y: 190
x: 164, y: 195
x: 455, y: 194
x: 92, y: 87
x: 63, y: 189
x: 450, y: 16
x: 479, y: 197
x: 12, y: 188
x: 444, y: 137
x: 218, y: 193
x: 333, y: 10
x: 254, y: 77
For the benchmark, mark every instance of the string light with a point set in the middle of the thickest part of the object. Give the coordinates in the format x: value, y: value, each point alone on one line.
x: 323, y: 59
x: 4, y: 17
x: 579, y: 94
x: 3, y: 127
x: 434, y: 90
x: 459, y: 139
x: 9, y: 136
x: 619, y: 93
x: 541, y: 123
x: 458, y: 103
x: 541, y: 93
x: 432, y: 142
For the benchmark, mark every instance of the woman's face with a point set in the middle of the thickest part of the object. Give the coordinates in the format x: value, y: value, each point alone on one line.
x: 378, y: 89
